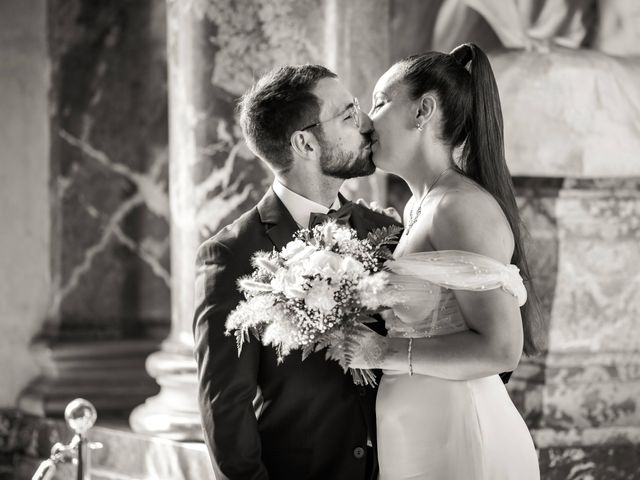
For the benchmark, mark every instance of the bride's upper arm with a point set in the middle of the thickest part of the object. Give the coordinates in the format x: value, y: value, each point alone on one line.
x: 471, y: 222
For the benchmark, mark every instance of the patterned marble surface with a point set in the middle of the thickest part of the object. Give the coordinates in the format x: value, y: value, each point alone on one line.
x: 597, y: 305
x: 590, y: 463
x: 109, y: 168
x: 109, y: 205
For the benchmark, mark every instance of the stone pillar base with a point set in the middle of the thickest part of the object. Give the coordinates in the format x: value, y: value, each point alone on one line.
x: 173, y: 413
x: 110, y: 374
x: 583, y: 412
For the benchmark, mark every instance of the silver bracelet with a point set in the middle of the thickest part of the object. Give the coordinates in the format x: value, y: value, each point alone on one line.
x: 409, y: 357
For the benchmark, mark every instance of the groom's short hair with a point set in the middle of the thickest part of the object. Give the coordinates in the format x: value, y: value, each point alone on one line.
x: 277, y: 105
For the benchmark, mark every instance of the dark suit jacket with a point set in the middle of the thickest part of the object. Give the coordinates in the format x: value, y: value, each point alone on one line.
x: 297, y: 420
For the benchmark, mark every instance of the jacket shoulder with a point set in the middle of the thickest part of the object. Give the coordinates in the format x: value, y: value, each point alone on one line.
x: 242, y: 232
x: 378, y: 219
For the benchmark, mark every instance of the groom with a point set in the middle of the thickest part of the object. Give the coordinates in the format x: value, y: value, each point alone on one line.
x: 300, y: 419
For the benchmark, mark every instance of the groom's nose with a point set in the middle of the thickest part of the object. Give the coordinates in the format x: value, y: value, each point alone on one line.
x: 366, y: 124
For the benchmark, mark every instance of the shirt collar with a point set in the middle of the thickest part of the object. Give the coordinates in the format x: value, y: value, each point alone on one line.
x: 300, y: 207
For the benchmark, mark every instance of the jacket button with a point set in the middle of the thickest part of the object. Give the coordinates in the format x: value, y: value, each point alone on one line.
x: 358, y: 452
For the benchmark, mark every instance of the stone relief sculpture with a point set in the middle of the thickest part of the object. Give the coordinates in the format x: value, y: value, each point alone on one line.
x: 523, y: 24
x: 569, y: 67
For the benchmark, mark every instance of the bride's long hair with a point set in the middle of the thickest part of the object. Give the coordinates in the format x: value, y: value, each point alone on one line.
x: 472, y: 118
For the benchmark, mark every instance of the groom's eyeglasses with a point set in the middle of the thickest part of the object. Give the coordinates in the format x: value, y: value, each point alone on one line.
x: 353, y: 111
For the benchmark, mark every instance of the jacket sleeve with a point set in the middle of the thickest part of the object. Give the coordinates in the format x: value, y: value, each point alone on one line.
x: 227, y: 382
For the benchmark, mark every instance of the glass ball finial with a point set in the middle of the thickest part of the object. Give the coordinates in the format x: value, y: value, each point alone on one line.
x: 80, y: 415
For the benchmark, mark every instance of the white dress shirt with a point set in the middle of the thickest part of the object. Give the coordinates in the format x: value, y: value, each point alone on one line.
x: 301, y: 207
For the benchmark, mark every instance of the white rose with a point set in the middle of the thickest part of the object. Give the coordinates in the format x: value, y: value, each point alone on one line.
x: 325, y: 263
x: 291, y: 248
x: 320, y: 296
x: 290, y: 282
x: 351, y: 266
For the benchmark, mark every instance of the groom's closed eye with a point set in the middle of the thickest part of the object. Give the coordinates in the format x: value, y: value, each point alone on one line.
x: 348, y: 112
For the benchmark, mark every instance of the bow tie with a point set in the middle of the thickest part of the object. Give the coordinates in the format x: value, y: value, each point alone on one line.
x: 341, y: 216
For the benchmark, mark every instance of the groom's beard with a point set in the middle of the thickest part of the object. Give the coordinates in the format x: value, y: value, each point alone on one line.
x: 339, y: 163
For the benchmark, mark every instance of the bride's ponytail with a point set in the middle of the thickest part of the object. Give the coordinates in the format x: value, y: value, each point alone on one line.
x: 483, y: 154
x: 472, y: 117
x: 483, y: 160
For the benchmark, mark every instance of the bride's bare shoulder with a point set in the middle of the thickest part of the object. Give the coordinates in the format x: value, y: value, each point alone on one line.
x: 469, y: 218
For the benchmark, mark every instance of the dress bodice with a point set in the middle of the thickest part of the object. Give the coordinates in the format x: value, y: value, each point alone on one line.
x: 443, y: 318
x: 424, y: 283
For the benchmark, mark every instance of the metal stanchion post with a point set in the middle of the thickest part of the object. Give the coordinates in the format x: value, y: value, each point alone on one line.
x: 80, y: 415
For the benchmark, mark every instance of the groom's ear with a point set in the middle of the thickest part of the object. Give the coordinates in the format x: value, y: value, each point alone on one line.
x: 303, y: 143
x: 427, y: 106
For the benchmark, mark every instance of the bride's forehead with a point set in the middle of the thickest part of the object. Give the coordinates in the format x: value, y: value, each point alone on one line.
x: 390, y: 82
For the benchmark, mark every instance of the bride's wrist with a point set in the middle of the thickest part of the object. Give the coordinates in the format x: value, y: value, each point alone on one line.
x: 396, y: 355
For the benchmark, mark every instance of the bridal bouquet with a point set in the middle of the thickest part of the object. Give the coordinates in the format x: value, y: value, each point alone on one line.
x: 316, y: 293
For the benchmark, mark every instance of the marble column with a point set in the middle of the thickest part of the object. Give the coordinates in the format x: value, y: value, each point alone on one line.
x: 216, y: 49
x: 108, y: 206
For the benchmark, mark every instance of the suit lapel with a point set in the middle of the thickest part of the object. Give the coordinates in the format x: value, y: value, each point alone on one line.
x: 362, y: 222
x: 279, y: 224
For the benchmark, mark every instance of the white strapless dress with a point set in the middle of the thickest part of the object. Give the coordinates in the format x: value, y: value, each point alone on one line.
x: 435, y: 429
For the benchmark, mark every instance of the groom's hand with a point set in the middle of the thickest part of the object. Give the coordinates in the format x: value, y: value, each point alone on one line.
x: 375, y: 206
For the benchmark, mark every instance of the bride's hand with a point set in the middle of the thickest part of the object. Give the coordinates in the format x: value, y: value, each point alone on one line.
x: 368, y: 350
x: 375, y: 206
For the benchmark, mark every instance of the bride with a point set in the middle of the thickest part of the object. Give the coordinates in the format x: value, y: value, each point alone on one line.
x: 442, y: 410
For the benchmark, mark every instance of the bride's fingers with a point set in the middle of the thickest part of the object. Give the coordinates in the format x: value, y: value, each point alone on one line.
x: 393, y: 213
x: 362, y: 202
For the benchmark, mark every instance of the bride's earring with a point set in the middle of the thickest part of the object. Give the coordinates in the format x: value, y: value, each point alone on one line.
x: 419, y: 126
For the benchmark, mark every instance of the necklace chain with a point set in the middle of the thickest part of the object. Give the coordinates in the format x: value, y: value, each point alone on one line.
x: 413, y: 217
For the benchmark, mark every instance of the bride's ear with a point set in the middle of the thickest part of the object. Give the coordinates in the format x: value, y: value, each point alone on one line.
x: 426, y: 108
